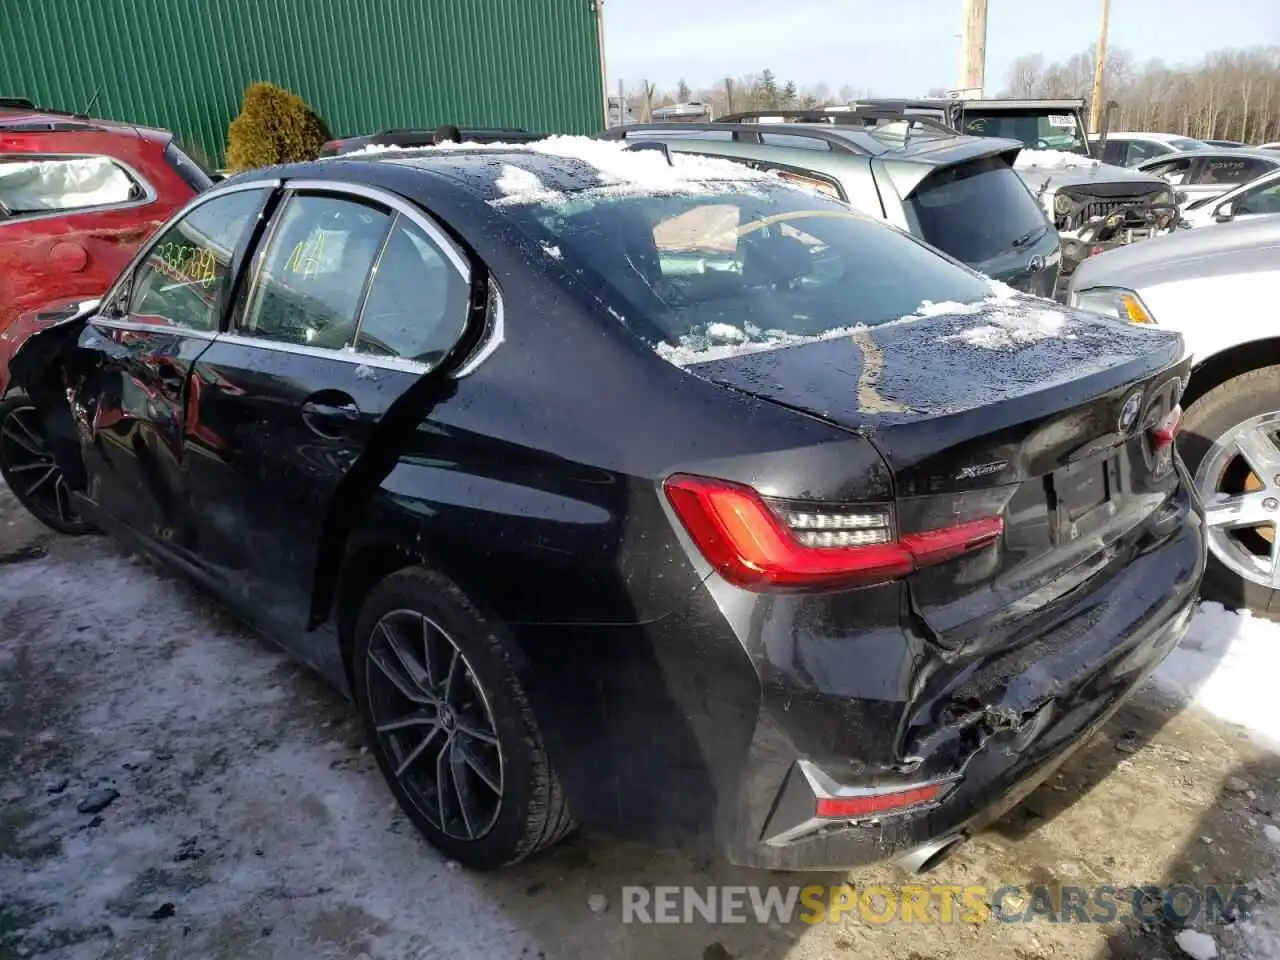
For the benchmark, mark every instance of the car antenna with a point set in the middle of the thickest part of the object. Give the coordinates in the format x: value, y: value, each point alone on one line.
x: 84, y: 114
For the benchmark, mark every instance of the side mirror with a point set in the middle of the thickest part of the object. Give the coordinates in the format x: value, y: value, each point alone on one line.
x: 1224, y: 212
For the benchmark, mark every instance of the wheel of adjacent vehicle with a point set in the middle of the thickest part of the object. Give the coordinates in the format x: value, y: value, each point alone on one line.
x: 450, y: 725
x: 1230, y: 442
x: 28, y: 467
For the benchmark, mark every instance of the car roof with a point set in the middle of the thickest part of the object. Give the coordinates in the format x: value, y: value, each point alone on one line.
x: 477, y: 170
x: 17, y: 117
x: 1146, y: 135
x: 930, y: 147
x: 1243, y: 152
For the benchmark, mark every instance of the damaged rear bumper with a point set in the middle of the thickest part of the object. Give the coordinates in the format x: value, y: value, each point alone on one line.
x: 981, y: 738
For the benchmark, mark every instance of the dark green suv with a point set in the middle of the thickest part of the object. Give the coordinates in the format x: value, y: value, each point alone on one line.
x: 958, y: 193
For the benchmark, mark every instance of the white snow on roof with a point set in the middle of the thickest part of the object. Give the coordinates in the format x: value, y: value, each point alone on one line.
x: 621, y: 171
x: 1052, y: 159
x: 525, y: 184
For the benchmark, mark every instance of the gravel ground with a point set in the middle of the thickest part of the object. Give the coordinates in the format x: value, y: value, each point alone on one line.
x: 242, y: 818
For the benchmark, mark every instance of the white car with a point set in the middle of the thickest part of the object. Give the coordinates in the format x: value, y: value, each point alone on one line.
x: 1257, y: 198
x: 1219, y: 288
x: 1128, y: 148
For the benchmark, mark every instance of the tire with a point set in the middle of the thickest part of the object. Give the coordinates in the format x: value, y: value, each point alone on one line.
x: 29, y: 470
x: 531, y: 812
x: 1206, y: 442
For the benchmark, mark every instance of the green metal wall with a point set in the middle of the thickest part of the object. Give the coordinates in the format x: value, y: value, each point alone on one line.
x: 363, y: 65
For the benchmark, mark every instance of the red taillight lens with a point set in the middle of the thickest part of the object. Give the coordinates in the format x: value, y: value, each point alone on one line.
x: 871, y: 804
x: 332, y: 145
x: 759, y: 547
x: 1166, y: 431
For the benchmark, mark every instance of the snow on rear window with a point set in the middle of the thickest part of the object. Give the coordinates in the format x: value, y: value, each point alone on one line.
x: 30, y: 186
x: 1011, y: 319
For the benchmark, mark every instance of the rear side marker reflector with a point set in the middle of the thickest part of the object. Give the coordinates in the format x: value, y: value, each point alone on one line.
x: 760, y: 547
x: 873, y: 804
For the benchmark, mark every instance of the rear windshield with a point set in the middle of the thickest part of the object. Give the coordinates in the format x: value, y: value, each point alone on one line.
x: 1036, y: 128
x: 758, y: 264
x: 1182, y: 143
x: 977, y: 212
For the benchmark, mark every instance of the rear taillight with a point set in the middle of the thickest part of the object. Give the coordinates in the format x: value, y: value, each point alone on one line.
x: 761, y: 544
x: 1162, y: 436
x: 1166, y: 431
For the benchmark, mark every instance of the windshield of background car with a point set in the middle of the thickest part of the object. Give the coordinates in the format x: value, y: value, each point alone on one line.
x: 977, y: 212
x: 756, y: 263
x: 1037, y: 129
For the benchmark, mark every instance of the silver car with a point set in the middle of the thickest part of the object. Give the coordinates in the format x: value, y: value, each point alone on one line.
x: 1217, y: 287
x: 1211, y: 172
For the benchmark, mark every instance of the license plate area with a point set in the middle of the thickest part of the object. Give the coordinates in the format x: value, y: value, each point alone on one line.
x: 1085, y: 496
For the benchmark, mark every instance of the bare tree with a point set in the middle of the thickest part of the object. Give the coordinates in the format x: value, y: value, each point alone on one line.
x: 1230, y: 94
x: 1025, y: 75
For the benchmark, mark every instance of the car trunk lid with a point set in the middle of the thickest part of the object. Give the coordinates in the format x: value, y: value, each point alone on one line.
x: 1011, y: 407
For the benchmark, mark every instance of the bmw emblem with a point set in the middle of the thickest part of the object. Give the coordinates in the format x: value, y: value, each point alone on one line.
x: 1036, y: 263
x: 1129, y: 412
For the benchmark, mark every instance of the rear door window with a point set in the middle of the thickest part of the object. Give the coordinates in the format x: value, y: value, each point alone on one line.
x: 417, y: 303
x: 315, y: 270
x: 977, y: 211
x: 1232, y: 170
x: 30, y: 186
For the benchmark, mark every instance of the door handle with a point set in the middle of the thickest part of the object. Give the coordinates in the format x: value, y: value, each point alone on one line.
x: 332, y: 418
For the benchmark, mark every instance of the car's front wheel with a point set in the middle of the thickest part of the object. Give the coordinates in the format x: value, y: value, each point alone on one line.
x: 450, y: 725
x: 1230, y: 442
x: 28, y: 467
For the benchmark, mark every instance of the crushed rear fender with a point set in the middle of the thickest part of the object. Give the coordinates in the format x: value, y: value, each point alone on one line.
x: 44, y: 368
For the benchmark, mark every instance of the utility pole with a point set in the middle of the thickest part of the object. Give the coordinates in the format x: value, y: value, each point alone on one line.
x: 975, y: 47
x: 1099, y: 69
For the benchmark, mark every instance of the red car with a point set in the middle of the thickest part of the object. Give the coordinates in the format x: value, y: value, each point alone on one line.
x: 77, y: 198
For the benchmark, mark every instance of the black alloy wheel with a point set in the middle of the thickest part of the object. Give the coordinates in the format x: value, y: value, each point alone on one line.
x: 450, y: 725
x: 28, y: 467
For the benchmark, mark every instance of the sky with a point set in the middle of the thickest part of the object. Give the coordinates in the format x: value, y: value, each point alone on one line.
x: 905, y: 47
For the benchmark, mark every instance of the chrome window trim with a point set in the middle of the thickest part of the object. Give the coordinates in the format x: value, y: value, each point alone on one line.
x: 133, y: 327
x: 492, y: 337
x: 198, y: 201
x: 149, y: 194
x: 398, y: 364
x: 396, y: 203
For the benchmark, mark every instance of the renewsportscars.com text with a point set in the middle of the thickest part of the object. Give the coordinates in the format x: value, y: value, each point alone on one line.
x: 939, y: 903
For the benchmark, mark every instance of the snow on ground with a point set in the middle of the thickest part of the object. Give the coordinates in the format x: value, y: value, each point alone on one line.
x: 1229, y: 665
x: 250, y: 823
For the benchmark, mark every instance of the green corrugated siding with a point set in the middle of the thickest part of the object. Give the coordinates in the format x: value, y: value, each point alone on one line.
x: 363, y: 65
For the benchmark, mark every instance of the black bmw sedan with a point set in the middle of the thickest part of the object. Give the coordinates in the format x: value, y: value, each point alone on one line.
x: 644, y: 492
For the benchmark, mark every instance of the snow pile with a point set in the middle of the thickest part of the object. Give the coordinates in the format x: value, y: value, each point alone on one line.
x: 1052, y: 159
x: 1197, y: 945
x: 620, y: 170
x: 1012, y: 319
x: 719, y: 341
x: 525, y: 184
x: 1228, y: 665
